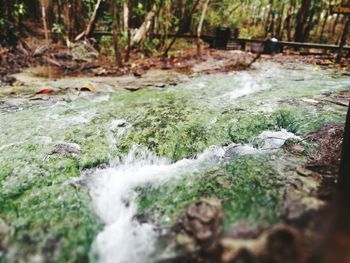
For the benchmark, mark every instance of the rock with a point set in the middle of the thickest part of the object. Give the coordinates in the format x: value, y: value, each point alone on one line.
x: 9, y: 80
x: 203, y: 211
x: 66, y: 148
x: 7, y: 107
x: 186, y: 242
x: 243, y: 230
x: 234, y: 150
x: 200, y: 227
x: 283, y: 245
x: 273, y: 140
x: 312, y: 101
x: 237, y: 250
x: 297, y: 149
x: 137, y: 74
x: 304, y: 172
x: 83, y: 51
x: 279, y: 244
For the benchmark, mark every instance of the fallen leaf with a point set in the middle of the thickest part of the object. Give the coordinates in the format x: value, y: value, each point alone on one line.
x: 88, y: 87
x: 45, y: 91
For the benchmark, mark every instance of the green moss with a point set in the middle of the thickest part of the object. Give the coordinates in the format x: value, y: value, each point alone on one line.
x: 56, y: 219
x: 247, y: 187
x: 168, y: 128
x: 255, y: 196
x: 50, y: 216
x: 47, y: 215
x: 245, y: 127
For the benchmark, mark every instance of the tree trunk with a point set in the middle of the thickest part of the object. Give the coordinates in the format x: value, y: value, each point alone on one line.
x: 181, y: 6
x: 165, y: 14
x: 302, y: 17
x: 43, y: 12
x: 118, y: 58
x: 141, y: 33
x: 342, y: 22
x: 269, y: 20
x: 324, y: 26
x: 91, y: 24
x: 335, y: 23
x: 318, y: 18
x: 288, y: 21
x: 343, y: 40
x: 181, y: 28
x: 200, y: 26
x: 126, y: 16
x: 279, y: 26
x: 309, y: 25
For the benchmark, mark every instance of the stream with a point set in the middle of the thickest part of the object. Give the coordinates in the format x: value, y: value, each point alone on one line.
x: 78, y: 168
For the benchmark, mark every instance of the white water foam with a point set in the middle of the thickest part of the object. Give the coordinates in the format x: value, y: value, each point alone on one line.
x: 124, y: 239
x: 247, y: 84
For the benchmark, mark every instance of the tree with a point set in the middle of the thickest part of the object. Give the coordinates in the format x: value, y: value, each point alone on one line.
x: 141, y: 33
x: 118, y: 58
x: 302, y: 18
x: 181, y: 28
x: 91, y: 23
x: 200, y: 26
x: 46, y: 31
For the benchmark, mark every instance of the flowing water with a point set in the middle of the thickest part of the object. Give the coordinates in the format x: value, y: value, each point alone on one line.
x: 70, y: 156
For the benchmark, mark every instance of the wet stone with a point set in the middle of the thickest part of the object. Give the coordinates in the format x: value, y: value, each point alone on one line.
x: 7, y: 107
x: 66, y: 149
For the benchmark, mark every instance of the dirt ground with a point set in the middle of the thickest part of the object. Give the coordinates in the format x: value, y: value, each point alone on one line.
x: 84, y: 59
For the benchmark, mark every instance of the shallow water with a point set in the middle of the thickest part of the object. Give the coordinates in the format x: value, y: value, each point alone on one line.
x: 146, y: 139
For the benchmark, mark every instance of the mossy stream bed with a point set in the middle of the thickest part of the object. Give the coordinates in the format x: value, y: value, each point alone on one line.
x: 78, y: 171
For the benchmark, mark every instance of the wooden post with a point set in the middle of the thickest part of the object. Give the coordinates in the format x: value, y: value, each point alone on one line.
x: 343, y: 40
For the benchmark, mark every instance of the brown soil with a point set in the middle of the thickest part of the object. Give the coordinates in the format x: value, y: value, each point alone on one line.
x: 326, y: 159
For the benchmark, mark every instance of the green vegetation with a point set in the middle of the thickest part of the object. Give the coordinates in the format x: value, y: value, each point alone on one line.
x: 49, y: 213
x: 247, y: 187
x: 44, y: 209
